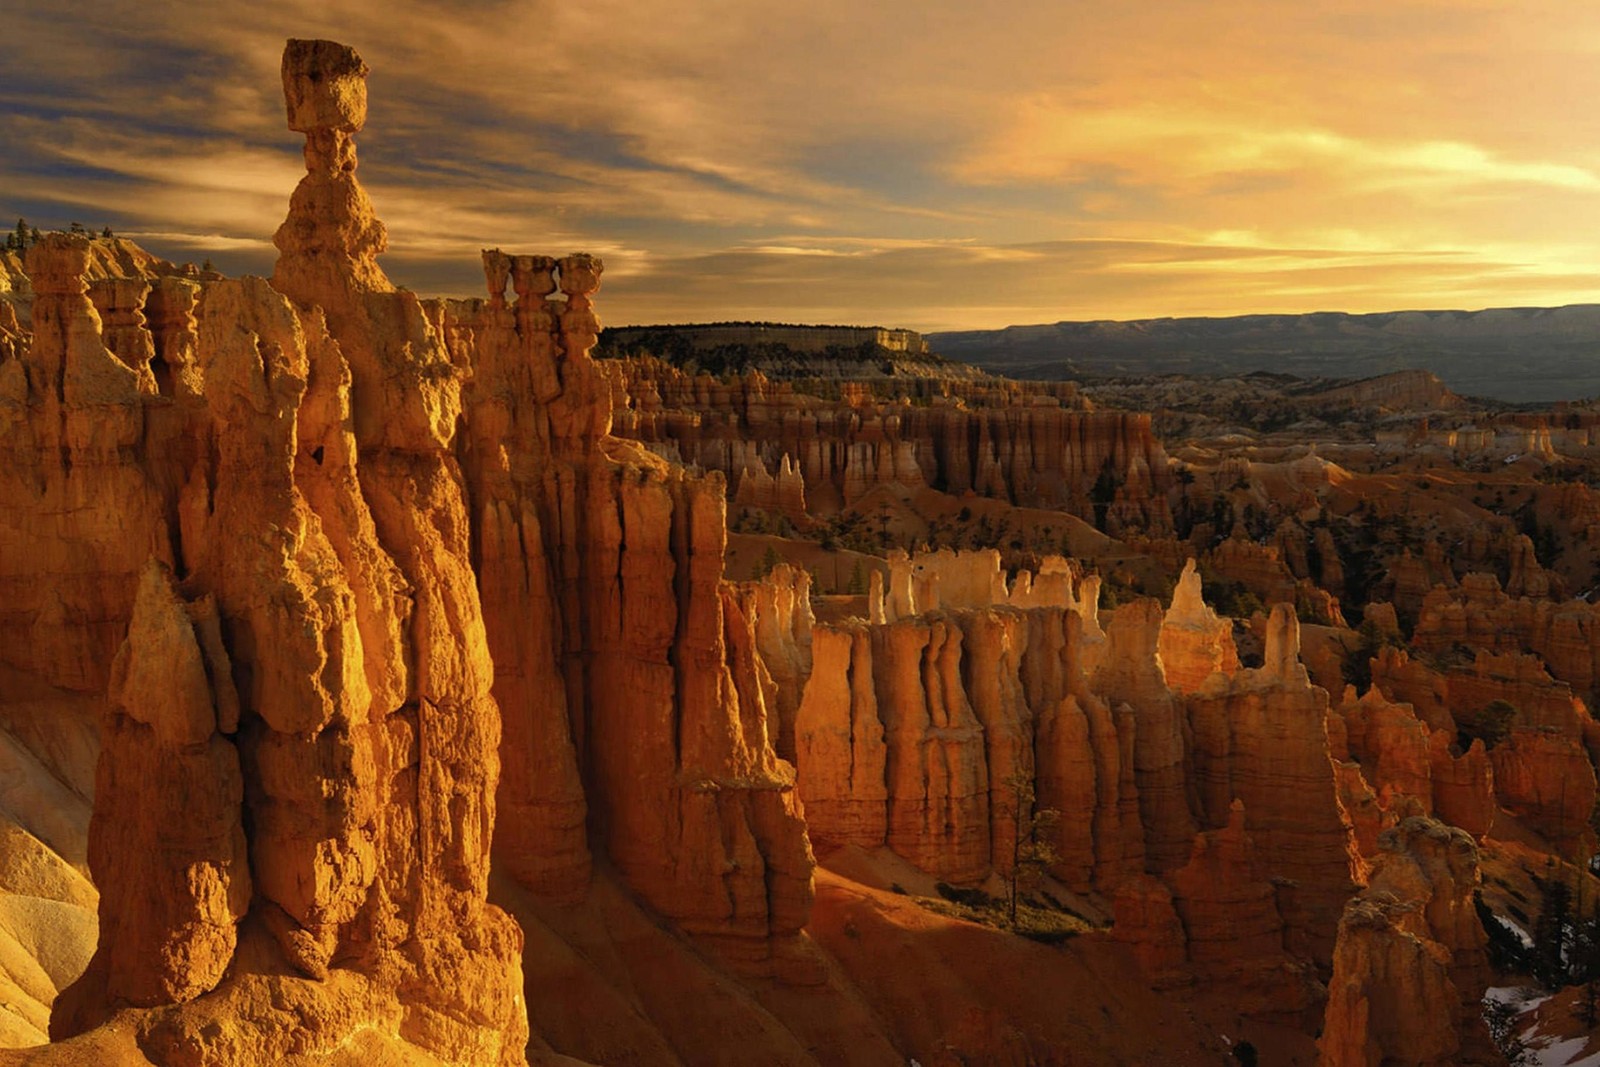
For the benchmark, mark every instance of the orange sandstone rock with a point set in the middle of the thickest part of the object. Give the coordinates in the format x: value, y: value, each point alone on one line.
x: 840, y: 751
x: 1548, y: 780
x: 1261, y: 736
x: 1233, y: 930
x: 167, y: 845
x: 1463, y: 786
x: 346, y: 609
x: 1131, y: 674
x: 1195, y: 641
x: 1409, y: 966
x: 1393, y: 746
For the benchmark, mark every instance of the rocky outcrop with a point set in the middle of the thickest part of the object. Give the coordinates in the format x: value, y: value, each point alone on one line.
x: 1015, y: 442
x: 1409, y: 969
x: 781, y: 611
x: 1411, y: 681
x: 839, y: 742
x: 661, y: 729
x: 1261, y: 736
x: 1259, y: 568
x: 1463, y: 785
x: 1394, y: 749
x: 315, y: 672
x: 1195, y: 641
x: 937, y: 771
x: 1233, y: 930
x: 925, y: 734
x: 1144, y: 919
x: 1131, y: 676
x: 170, y: 861
x: 1456, y: 694
x: 1479, y: 615
x: 1548, y: 780
x: 1405, y: 390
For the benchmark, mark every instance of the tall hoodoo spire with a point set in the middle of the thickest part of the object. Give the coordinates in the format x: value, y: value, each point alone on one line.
x: 331, y: 235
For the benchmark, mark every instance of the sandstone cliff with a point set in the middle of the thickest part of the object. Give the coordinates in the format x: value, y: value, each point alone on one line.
x: 661, y: 730
x: 807, y: 454
x: 1261, y: 736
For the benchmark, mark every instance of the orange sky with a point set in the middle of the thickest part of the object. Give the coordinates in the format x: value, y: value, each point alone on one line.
x: 920, y: 164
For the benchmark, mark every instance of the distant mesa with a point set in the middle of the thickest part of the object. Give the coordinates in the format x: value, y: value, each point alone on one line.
x: 783, y: 350
x: 1509, y: 354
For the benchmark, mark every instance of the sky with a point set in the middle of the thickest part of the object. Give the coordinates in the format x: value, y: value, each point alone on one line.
x: 915, y: 163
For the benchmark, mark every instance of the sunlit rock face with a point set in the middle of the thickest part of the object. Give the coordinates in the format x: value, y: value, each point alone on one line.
x: 317, y: 598
x: 294, y: 799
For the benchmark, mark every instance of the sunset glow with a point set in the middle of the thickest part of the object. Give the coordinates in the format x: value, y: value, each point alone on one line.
x: 913, y: 164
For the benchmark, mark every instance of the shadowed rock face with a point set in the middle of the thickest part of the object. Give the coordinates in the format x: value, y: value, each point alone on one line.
x: 1409, y: 969
x: 788, y: 451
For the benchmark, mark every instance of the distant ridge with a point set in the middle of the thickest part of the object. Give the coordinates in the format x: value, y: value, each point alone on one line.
x: 785, y: 350
x: 1518, y: 354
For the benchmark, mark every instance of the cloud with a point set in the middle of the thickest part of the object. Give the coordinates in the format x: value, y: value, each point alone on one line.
x: 1182, y: 149
x: 897, y: 162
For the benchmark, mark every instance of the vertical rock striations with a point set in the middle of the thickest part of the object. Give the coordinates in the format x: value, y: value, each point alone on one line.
x: 1261, y: 736
x: 318, y: 674
x: 639, y: 712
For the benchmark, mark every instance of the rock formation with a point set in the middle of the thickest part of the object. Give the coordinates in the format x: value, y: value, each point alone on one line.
x: 1233, y: 931
x: 318, y: 595
x: 839, y: 742
x: 999, y: 439
x: 1261, y: 736
x: 1548, y: 780
x: 1195, y: 641
x: 1409, y: 969
x: 602, y: 571
x: 921, y: 733
x: 1480, y: 615
x: 319, y: 651
x: 1131, y: 677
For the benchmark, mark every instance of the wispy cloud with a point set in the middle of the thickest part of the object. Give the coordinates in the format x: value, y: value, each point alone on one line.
x: 895, y: 162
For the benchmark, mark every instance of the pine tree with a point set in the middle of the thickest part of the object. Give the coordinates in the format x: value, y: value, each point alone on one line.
x: 22, y: 234
x: 858, y: 581
x: 1032, y: 851
x: 1550, y: 935
x: 769, y: 559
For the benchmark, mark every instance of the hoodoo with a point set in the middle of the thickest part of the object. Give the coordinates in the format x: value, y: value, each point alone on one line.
x: 391, y: 680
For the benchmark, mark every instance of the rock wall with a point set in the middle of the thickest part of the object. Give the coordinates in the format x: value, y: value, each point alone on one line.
x: 1261, y: 736
x: 1480, y: 615
x: 601, y: 566
x: 920, y: 734
x: 996, y: 440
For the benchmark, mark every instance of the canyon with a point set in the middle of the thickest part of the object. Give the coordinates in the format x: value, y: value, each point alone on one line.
x: 390, y: 679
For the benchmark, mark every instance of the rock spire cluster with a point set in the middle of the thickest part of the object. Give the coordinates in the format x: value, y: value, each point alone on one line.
x: 348, y: 610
